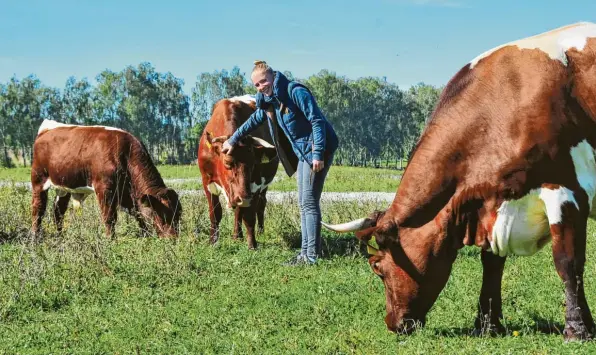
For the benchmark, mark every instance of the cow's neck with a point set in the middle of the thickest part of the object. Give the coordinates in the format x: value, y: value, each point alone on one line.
x: 426, y: 187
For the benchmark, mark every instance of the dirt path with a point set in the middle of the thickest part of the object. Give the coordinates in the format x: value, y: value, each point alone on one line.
x: 272, y: 196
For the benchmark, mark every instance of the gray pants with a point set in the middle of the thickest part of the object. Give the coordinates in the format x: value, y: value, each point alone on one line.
x: 310, y: 187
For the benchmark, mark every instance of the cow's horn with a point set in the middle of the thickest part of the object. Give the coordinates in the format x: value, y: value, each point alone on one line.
x: 353, y: 226
x: 262, y: 142
x: 219, y: 139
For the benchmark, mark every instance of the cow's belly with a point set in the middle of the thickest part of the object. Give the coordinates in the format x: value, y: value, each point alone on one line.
x: 79, y: 194
x: 521, y: 227
x: 63, y: 190
x: 217, y: 190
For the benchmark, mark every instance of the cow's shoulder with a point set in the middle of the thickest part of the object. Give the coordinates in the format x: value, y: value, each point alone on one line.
x: 553, y: 43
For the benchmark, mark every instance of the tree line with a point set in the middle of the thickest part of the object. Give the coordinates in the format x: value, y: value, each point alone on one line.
x: 377, y: 122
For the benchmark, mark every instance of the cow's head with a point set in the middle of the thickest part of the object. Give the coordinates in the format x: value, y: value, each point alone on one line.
x: 164, y: 209
x: 239, y: 166
x: 414, y: 269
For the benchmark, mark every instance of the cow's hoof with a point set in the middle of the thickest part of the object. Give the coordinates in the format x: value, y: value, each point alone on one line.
x: 238, y: 236
x: 252, y: 246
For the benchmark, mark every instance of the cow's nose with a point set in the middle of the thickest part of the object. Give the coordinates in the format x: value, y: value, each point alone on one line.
x: 242, y: 202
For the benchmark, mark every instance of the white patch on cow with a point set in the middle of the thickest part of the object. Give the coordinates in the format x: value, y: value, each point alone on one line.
x: 47, y: 185
x: 79, y: 194
x: 554, y: 200
x: 555, y: 43
x: 217, y: 190
x: 254, y: 188
x: 51, y: 124
x: 247, y: 99
x: 522, y: 226
x: 585, y: 170
x: 78, y: 199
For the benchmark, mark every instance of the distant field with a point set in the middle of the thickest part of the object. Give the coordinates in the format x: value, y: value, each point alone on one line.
x: 82, y: 293
x: 340, y: 178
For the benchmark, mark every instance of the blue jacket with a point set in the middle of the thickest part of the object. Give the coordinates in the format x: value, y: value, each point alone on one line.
x: 303, y: 123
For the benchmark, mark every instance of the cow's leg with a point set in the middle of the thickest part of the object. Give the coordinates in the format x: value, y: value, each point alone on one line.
x: 249, y: 218
x: 490, y: 308
x: 108, y: 204
x: 138, y: 216
x: 237, y: 223
x: 215, y: 214
x: 261, y: 204
x: 143, y: 227
x: 60, y: 207
x: 39, y: 202
x: 568, y: 230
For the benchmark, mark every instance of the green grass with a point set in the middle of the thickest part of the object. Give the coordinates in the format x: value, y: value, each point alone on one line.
x: 15, y: 174
x: 83, y: 293
x: 340, y: 178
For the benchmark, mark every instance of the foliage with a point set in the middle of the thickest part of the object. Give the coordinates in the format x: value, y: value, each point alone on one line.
x: 377, y: 122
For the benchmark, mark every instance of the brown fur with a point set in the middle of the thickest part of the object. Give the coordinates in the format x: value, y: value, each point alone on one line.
x: 235, y: 172
x: 118, y: 167
x: 499, y: 130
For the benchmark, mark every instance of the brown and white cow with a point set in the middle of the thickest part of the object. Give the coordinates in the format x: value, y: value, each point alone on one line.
x: 507, y: 163
x: 241, y: 178
x: 111, y: 163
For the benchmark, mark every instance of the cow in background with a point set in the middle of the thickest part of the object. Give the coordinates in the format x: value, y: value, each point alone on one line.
x: 506, y: 163
x: 241, y: 178
x: 112, y: 164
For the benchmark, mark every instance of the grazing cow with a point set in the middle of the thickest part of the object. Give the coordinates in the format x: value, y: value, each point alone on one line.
x: 507, y: 163
x: 242, y: 177
x: 80, y: 160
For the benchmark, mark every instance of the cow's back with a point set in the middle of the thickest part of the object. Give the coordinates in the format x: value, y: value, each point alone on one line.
x: 75, y: 155
x: 504, y: 124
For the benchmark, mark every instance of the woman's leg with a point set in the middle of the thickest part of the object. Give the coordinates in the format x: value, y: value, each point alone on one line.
x: 312, y: 187
x: 302, y: 167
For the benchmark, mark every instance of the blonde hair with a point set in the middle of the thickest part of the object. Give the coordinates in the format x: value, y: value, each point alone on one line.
x: 261, y: 65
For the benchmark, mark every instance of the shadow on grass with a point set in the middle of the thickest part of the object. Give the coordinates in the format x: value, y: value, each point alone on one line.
x: 13, y: 236
x: 541, y: 325
x: 333, y: 245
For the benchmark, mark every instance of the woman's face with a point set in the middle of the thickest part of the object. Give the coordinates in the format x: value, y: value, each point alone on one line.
x: 263, y: 81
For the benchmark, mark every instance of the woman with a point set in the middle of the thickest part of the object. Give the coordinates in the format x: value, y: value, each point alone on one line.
x: 312, y: 139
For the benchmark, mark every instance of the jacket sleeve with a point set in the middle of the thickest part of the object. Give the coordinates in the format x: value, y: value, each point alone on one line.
x: 255, y: 120
x: 307, y: 104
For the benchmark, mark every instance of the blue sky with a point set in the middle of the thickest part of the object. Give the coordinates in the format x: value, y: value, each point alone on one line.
x: 408, y: 41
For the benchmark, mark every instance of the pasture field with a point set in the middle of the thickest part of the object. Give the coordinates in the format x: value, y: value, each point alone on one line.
x: 188, y: 177
x: 83, y: 293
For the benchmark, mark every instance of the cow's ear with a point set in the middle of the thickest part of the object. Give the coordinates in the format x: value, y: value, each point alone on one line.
x: 265, y: 155
x: 220, y: 139
x: 209, y: 140
x: 212, y: 141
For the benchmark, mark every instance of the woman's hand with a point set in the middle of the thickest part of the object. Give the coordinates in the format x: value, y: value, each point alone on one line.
x: 317, y: 165
x: 227, y: 148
